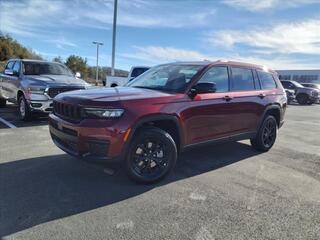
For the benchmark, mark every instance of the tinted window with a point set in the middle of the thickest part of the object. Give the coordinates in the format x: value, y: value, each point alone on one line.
x: 10, y: 65
x: 138, y: 71
x: 267, y: 80
x: 285, y: 84
x: 242, y: 79
x: 16, y: 67
x: 219, y: 76
x: 45, y: 68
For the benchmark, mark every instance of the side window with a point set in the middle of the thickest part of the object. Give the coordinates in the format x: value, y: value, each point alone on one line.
x: 242, y: 79
x: 10, y: 65
x: 267, y: 80
x: 219, y: 76
x: 16, y: 67
x: 285, y: 84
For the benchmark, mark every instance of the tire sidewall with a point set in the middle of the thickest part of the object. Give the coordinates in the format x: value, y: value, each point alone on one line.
x: 260, y: 140
x: 166, y: 139
x: 27, y: 111
x: 302, y: 99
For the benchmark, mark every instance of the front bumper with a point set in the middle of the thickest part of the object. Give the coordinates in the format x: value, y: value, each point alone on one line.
x: 41, y: 106
x: 84, y: 141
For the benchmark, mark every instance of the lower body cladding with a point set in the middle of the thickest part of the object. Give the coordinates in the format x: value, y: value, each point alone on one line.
x: 93, y: 143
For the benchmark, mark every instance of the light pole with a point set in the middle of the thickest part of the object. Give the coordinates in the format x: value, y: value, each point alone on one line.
x: 97, y: 68
x: 114, y: 35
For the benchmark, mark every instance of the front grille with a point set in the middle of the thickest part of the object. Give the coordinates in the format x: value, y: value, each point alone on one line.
x: 52, y: 92
x: 67, y: 111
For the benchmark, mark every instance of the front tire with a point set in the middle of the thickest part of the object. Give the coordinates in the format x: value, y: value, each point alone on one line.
x: 151, y: 156
x: 266, y: 136
x: 302, y: 99
x: 24, y: 109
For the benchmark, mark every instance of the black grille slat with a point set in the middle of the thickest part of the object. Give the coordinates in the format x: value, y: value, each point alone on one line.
x: 67, y: 111
x: 52, y: 92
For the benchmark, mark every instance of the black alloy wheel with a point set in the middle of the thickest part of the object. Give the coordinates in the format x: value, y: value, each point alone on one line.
x: 267, y: 134
x: 152, y: 155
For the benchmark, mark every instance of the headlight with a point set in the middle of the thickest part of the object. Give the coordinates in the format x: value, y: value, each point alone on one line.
x: 36, y: 90
x: 102, y: 113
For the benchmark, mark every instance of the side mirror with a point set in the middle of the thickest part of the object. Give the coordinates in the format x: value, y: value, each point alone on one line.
x: 8, y: 72
x: 204, y: 87
x: 78, y: 75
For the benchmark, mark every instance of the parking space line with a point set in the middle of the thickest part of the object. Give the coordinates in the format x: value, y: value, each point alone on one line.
x: 10, y: 125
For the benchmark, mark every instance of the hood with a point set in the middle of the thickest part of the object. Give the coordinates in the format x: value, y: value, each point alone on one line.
x: 112, y: 94
x: 56, y: 79
x: 308, y: 89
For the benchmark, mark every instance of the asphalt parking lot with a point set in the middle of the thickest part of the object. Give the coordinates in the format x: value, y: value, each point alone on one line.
x: 224, y: 191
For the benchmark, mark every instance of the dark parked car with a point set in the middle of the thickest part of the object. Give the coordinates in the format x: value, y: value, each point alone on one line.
x: 304, y: 95
x: 311, y: 85
x: 168, y: 109
x: 33, y: 84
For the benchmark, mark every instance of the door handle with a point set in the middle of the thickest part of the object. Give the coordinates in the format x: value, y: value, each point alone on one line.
x: 261, y: 95
x: 227, y: 98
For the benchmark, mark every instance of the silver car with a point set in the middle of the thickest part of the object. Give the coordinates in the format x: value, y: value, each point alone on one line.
x: 32, y: 84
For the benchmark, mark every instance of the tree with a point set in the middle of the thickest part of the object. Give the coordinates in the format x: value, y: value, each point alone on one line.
x: 78, y: 64
x: 57, y: 59
x: 10, y: 48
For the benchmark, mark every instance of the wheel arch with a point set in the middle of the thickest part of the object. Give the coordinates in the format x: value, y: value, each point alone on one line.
x: 19, y: 94
x: 168, y: 123
x: 273, y: 110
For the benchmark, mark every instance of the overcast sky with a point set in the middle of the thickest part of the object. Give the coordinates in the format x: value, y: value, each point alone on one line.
x: 282, y: 34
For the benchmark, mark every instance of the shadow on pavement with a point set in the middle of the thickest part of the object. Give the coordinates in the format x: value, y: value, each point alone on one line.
x: 10, y: 114
x: 38, y: 190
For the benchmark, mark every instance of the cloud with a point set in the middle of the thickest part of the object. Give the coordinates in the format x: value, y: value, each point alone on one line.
x: 302, y: 37
x: 157, y: 54
x: 28, y: 18
x: 62, y: 42
x: 260, y: 5
x: 33, y: 17
x: 152, y: 55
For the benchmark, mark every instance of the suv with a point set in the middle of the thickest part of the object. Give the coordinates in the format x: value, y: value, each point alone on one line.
x: 168, y: 109
x: 33, y: 84
x: 303, y: 95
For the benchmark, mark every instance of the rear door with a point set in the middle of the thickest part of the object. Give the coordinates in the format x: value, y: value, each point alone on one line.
x: 247, y: 99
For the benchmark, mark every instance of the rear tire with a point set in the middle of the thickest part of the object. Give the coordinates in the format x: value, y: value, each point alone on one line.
x: 266, y: 136
x: 151, y: 156
x: 24, y: 109
x: 3, y: 103
x: 302, y: 99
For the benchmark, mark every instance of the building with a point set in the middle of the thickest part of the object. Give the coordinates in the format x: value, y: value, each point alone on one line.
x: 303, y: 76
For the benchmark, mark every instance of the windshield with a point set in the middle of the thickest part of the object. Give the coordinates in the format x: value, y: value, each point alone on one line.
x: 45, y: 68
x: 168, y: 78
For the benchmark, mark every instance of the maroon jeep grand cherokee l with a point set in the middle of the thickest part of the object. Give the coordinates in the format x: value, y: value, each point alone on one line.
x: 167, y: 109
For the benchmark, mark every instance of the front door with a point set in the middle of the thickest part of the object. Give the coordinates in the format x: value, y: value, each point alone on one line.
x: 209, y: 115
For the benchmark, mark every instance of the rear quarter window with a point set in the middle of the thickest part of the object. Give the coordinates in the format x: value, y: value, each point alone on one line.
x: 267, y: 80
